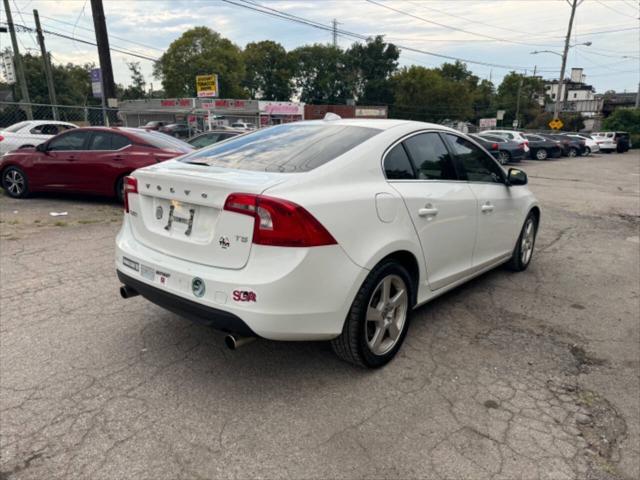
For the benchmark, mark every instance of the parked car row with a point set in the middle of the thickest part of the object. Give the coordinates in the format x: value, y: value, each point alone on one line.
x: 513, y: 146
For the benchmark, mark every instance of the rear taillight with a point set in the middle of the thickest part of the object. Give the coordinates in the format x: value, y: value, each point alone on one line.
x: 494, y: 146
x: 279, y: 222
x: 1, y: 138
x: 130, y: 186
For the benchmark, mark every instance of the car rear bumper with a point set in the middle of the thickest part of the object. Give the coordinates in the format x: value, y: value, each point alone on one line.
x: 211, y: 317
x: 281, y: 294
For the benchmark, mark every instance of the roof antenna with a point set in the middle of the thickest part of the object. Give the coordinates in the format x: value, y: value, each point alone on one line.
x: 329, y: 116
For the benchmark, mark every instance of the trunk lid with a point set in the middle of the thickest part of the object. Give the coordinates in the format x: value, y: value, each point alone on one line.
x: 179, y: 211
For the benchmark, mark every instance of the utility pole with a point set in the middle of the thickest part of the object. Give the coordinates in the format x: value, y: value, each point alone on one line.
x: 47, y: 67
x: 104, y: 52
x: 518, y: 102
x: 561, y: 91
x: 335, y: 32
x: 17, y: 60
x: 638, y: 97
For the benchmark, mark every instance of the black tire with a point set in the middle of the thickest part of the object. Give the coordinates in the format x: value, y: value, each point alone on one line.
x: 587, y: 151
x: 504, y: 157
x: 15, y: 182
x: 352, y: 344
x: 119, y: 189
x: 572, y: 153
x: 541, y: 154
x: 518, y: 261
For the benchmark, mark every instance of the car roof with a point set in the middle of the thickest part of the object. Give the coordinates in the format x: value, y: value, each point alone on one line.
x: 380, y: 124
x: 49, y: 122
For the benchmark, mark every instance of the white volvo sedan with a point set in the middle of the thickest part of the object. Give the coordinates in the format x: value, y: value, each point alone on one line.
x: 322, y: 230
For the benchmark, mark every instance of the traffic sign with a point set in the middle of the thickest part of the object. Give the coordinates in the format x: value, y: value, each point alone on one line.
x: 556, y: 124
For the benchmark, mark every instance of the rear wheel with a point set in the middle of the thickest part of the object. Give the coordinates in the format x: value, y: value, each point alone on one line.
x: 120, y: 190
x: 378, y: 320
x: 523, y: 250
x: 541, y: 154
x: 15, y: 182
x: 503, y: 157
x: 587, y: 151
x: 573, y: 152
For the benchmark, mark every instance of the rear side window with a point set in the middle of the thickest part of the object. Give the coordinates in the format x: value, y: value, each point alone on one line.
x: 284, y: 148
x: 430, y: 157
x: 478, y: 166
x: 108, y: 141
x: 397, y: 165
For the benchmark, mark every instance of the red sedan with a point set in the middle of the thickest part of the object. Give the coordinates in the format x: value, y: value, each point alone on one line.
x: 88, y: 160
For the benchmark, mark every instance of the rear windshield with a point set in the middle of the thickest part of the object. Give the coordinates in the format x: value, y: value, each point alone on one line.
x: 14, y: 128
x: 161, y: 140
x: 284, y: 148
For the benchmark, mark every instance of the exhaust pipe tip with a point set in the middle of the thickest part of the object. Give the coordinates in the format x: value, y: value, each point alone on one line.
x: 127, y: 292
x: 233, y: 342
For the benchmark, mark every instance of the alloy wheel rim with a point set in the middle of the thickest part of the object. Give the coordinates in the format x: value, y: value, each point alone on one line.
x: 14, y: 182
x: 541, y: 154
x: 572, y: 153
x: 526, y: 246
x: 386, y: 314
x: 503, y: 158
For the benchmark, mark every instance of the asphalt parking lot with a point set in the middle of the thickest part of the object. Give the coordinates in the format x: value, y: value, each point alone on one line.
x: 530, y: 375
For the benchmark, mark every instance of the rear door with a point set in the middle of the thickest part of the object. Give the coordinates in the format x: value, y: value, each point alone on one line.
x: 57, y: 166
x: 99, y: 166
x: 442, y: 208
x: 497, y: 209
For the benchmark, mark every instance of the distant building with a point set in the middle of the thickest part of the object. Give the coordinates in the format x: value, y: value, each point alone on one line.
x: 612, y: 101
x: 580, y: 97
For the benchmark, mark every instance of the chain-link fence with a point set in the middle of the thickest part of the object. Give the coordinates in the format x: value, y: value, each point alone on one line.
x: 14, y: 112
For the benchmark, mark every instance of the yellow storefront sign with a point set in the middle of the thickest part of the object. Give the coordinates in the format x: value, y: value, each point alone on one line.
x: 207, y: 85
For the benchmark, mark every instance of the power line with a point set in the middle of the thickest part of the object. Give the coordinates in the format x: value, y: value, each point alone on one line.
x: 91, y: 30
x: 613, y: 9
x: 68, y: 37
x: 294, y: 18
x: 498, y: 39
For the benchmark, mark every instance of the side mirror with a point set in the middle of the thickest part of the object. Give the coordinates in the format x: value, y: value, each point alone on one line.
x: 516, y: 177
x: 41, y: 147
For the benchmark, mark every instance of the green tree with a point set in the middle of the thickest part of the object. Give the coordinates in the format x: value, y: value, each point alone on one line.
x: 624, y: 119
x: 507, y: 98
x: 137, y: 89
x: 201, y: 51
x: 268, y: 72
x: 369, y: 67
x: 320, y: 74
x: 482, y: 92
x: 424, y: 94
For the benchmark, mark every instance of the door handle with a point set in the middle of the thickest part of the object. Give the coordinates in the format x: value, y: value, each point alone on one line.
x: 428, y: 210
x: 486, y: 208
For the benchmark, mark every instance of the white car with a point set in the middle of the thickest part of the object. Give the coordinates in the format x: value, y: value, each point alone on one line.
x: 322, y: 230
x: 243, y: 126
x: 511, y: 135
x: 30, y: 133
x: 590, y: 144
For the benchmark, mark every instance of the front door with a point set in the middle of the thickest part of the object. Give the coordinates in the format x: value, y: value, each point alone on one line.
x: 57, y: 166
x: 497, y: 210
x: 442, y: 208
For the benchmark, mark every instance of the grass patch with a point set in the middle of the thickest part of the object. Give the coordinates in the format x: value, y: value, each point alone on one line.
x: 13, y: 222
x: 87, y: 222
x: 36, y: 221
x: 61, y: 224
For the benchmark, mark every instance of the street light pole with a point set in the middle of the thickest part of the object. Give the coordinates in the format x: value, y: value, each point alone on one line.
x: 556, y: 108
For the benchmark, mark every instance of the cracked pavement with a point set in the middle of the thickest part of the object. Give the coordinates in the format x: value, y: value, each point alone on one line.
x: 532, y: 375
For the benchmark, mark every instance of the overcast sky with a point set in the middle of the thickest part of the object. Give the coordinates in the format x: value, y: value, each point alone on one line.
x: 498, y: 32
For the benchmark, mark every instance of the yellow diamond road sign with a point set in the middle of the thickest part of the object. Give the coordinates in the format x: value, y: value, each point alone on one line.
x: 556, y: 124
